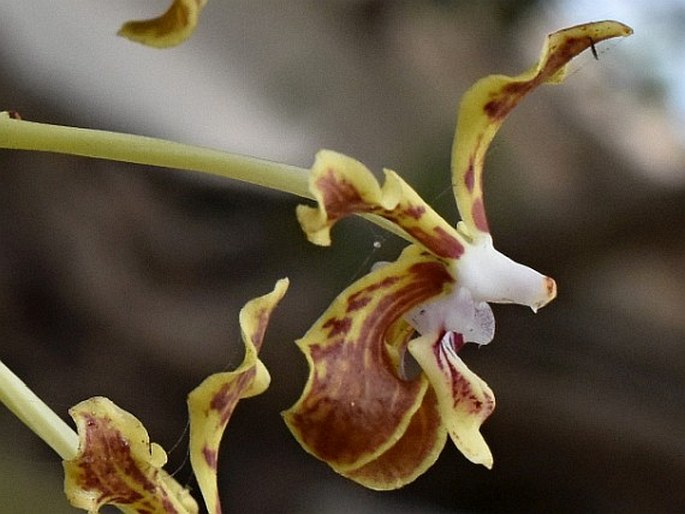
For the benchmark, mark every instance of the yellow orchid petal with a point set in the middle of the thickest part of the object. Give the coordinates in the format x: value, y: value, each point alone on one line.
x: 417, y: 450
x: 343, y: 186
x: 170, y: 29
x: 464, y: 400
x: 117, y: 465
x: 355, y: 406
x: 211, y: 404
x: 487, y: 103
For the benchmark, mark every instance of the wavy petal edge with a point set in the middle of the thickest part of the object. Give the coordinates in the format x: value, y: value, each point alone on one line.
x: 343, y: 186
x: 486, y: 104
x: 211, y: 404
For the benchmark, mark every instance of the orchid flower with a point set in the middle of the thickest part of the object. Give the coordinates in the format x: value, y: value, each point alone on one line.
x: 111, y: 460
x: 359, y: 412
x: 170, y: 29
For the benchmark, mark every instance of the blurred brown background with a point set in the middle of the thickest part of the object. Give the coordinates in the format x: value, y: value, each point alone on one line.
x: 126, y: 281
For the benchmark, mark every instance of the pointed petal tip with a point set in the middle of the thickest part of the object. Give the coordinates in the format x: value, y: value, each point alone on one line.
x: 626, y: 30
x: 477, y: 450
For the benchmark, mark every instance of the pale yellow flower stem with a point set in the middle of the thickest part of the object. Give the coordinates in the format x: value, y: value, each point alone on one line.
x: 114, y: 146
x: 18, y: 134
x: 36, y: 415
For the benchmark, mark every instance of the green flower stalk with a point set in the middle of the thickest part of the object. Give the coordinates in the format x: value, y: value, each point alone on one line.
x: 18, y: 134
x: 36, y: 415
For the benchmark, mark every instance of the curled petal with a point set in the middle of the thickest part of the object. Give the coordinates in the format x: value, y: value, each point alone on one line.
x: 465, y: 401
x: 117, y: 465
x: 355, y: 406
x: 211, y: 404
x: 417, y: 449
x: 487, y: 103
x: 343, y: 186
x: 170, y: 29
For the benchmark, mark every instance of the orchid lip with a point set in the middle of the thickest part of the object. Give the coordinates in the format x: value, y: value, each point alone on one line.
x: 491, y: 276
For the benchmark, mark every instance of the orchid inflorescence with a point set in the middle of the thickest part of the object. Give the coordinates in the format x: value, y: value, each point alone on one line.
x: 360, y: 411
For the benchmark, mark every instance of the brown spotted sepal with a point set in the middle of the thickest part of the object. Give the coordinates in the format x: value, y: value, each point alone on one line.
x: 211, y: 404
x: 170, y: 29
x: 343, y: 186
x: 489, y: 101
x: 357, y: 412
x: 117, y: 465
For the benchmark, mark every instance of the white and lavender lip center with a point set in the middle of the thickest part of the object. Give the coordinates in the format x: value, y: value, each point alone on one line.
x: 457, y: 312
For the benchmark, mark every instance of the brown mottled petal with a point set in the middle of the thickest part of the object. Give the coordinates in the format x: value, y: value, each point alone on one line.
x: 484, y: 107
x: 343, y: 186
x: 170, y: 29
x: 117, y: 465
x: 464, y: 400
x: 211, y: 404
x: 355, y: 406
x: 410, y: 457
